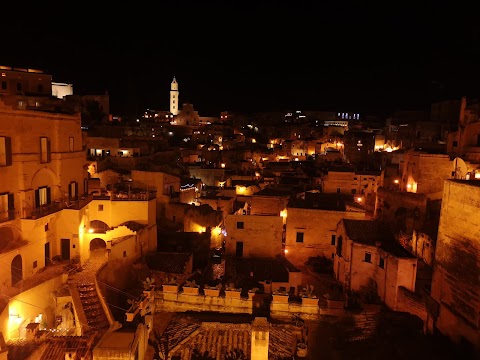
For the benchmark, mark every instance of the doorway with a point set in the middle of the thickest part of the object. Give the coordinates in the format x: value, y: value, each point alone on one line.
x: 47, y: 253
x: 17, y: 270
x: 239, y: 250
x: 65, y: 249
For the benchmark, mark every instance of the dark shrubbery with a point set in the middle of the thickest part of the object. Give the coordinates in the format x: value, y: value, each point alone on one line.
x: 320, y: 264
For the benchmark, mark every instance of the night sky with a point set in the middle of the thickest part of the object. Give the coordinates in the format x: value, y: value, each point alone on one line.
x: 241, y: 56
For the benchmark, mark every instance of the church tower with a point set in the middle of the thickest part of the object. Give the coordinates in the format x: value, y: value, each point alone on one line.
x: 174, y: 101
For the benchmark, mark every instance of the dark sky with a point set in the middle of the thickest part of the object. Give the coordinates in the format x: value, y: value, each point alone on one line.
x: 241, y: 56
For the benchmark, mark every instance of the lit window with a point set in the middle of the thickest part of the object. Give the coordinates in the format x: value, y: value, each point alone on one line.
x: 44, y: 150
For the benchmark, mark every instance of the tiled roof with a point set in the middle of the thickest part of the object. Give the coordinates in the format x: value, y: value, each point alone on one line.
x: 56, y: 347
x: 372, y: 232
x: 220, y: 339
x: 322, y: 201
x: 271, y: 191
x: 173, y: 263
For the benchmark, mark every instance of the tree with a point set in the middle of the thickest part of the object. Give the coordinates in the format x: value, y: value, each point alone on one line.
x: 92, y: 113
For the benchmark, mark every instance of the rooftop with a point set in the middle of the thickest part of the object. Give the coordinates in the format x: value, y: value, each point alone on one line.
x: 276, y: 270
x: 168, y: 262
x: 270, y: 191
x: 372, y: 232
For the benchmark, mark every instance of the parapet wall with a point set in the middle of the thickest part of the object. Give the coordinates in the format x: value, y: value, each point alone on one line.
x: 410, y: 302
x: 183, y: 302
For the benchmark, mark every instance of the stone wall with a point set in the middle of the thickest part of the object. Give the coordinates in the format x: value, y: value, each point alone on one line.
x: 456, y: 274
x: 408, y: 301
x: 318, y: 227
x: 182, y: 302
x: 403, y: 211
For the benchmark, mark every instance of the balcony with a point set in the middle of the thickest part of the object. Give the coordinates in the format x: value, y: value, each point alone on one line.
x: 56, y: 206
x: 137, y: 195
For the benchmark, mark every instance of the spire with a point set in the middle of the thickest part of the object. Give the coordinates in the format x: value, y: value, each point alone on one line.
x: 174, y: 80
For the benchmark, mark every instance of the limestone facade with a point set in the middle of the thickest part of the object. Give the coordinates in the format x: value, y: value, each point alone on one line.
x: 456, y: 274
x: 368, y: 262
x: 425, y: 173
x: 312, y: 232
x: 253, y: 235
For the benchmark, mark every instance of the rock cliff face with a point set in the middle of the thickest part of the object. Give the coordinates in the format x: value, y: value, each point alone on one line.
x: 456, y: 277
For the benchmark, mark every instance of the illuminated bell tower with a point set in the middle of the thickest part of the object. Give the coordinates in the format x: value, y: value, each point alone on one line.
x: 174, y: 101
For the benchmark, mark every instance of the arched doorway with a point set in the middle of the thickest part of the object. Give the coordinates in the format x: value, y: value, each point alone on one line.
x: 97, y: 244
x: 17, y: 270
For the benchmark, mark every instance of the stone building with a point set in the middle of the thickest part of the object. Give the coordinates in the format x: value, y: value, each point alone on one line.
x: 456, y: 272
x: 368, y: 258
x: 167, y: 186
x: 47, y: 213
x: 311, y: 225
x: 270, y: 201
x: 425, y: 173
x: 253, y: 235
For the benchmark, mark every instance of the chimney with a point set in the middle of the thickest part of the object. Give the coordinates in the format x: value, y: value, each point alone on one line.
x: 260, y: 339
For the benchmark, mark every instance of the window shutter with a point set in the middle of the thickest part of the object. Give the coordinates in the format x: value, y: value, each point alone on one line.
x: 11, y: 205
x: 76, y: 190
x: 37, y: 198
x: 49, y: 196
x: 49, y: 157
x: 70, y: 191
x: 8, y: 150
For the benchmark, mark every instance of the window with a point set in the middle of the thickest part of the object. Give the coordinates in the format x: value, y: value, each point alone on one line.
x: 381, y: 263
x: 35, y: 264
x: 42, y: 196
x: 354, y: 191
x: 4, y: 85
x: 46, y: 227
x: 240, y: 225
x: 71, y: 147
x: 455, y: 143
x: 73, y: 190
x: 120, y: 153
x: 44, y: 150
x: 6, y: 207
x: 100, y: 207
x: 19, y: 86
x: 124, y: 253
x: 40, y: 88
x: 300, y: 237
x: 338, y: 190
x: 354, y: 178
x: 333, y: 240
x: 368, y: 257
x: 5, y: 151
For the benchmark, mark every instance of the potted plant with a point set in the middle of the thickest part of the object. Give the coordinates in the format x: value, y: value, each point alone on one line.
x: 191, y: 288
x: 308, y: 297
x: 212, y: 290
x: 280, y: 296
x: 232, y: 292
x: 302, y: 349
x: 170, y: 285
x: 148, y: 286
x: 133, y: 310
x: 252, y: 292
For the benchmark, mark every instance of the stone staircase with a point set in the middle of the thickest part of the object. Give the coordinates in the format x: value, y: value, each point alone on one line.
x: 86, y: 301
x: 92, y: 308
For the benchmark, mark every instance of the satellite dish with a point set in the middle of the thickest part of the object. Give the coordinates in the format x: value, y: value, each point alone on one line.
x: 459, y: 168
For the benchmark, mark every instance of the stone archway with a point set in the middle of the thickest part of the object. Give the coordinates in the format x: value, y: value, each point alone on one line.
x: 97, y: 244
x: 16, y: 269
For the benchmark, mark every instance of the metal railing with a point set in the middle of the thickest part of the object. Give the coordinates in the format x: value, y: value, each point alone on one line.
x: 57, y: 205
